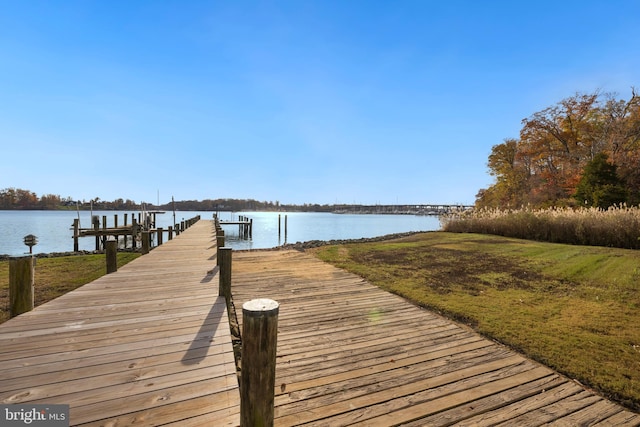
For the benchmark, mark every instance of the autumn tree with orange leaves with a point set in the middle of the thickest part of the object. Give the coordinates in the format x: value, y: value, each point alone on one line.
x: 545, y: 165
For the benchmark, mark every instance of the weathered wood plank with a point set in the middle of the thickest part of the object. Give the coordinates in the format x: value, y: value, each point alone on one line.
x: 556, y: 410
x: 420, y: 377
x: 556, y: 389
x: 474, y: 413
x: 623, y: 418
x: 148, y: 344
x: 590, y: 415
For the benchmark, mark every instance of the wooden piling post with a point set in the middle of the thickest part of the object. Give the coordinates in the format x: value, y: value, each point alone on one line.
x: 96, y: 226
x: 259, y: 342
x: 115, y: 220
x: 170, y: 233
x: 224, y: 261
x: 160, y: 237
x: 21, y: 280
x: 219, y: 244
x: 251, y: 228
x: 145, y: 242
x: 134, y: 231
x: 125, y: 219
x: 111, y: 252
x: 76, y: 233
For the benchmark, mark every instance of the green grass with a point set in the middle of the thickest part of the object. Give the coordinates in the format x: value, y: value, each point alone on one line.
x: 59, y: 275
x: 573, y: 308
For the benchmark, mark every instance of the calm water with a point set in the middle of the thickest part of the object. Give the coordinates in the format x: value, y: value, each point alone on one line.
x: 55, y: 234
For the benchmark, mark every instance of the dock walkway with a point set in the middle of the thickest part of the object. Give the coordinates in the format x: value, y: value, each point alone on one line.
x: 352, y: 354
x: 150, y: 345
x: 147, y: 345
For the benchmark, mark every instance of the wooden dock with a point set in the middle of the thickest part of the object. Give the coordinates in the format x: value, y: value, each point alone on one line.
x: 352, y: 354
x: 147, y: 345
x: 150, y: 345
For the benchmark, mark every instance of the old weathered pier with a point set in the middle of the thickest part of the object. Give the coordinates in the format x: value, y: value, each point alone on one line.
x: 142, y: 229
x: 151, y: 344
x: 245, y: 226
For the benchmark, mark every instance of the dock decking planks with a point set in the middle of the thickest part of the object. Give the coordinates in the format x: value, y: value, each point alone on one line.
x: 352, y: 354
x: 148, y: 345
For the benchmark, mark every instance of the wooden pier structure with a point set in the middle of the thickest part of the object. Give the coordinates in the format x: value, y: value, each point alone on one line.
x: 142, y: 229
x: 245, y: 226
x: 151, y: 345
x: 146, y: 345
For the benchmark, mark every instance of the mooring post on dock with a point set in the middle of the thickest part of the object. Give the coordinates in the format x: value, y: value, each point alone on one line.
x: 76, y: 235
x: 134, y: 231
x: 160, y: 230
x: 224, y: 261
x: 145, y: 242
x: 219, y: 243
x: 95, y: 220
x: 111, y: 252
x: 21, y: 281
x: 259, y: 342
x: 170, y: 232
x: 251, y: 228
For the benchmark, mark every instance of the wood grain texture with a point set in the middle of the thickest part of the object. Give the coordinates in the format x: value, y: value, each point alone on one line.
x: 148, y: 344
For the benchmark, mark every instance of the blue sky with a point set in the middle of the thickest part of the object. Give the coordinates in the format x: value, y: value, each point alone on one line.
x: 298, y: 101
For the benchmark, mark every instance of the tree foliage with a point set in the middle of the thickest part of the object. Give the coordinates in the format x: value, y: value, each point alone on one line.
x: 545, y: 165
x: 19, y: 199
x: 600, y: 185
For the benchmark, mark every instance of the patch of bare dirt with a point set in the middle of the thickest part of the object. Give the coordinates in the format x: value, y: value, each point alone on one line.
x: 445, y: 269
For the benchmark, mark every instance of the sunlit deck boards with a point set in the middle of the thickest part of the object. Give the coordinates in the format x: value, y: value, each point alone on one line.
x: 147, y: 345
x: 351, y: 354
x: 150, y: 345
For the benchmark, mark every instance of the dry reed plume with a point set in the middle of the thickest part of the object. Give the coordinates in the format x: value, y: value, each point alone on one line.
x: 618, y: 226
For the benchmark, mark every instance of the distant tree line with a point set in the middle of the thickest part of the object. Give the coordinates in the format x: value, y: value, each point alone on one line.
x: 583, y: 151
x: 19, y: 199
x: 236, y: 205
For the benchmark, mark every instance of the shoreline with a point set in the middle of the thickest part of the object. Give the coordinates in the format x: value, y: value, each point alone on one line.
x: 298, y: 246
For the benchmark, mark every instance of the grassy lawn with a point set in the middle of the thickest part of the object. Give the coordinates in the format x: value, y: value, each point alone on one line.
x: 56, y: 276
x: 573, y: 308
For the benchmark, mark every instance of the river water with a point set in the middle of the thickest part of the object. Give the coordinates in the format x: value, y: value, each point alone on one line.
x: 54, y: 228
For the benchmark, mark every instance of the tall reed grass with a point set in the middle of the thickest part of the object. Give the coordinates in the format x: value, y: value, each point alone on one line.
x: 617, y: 226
